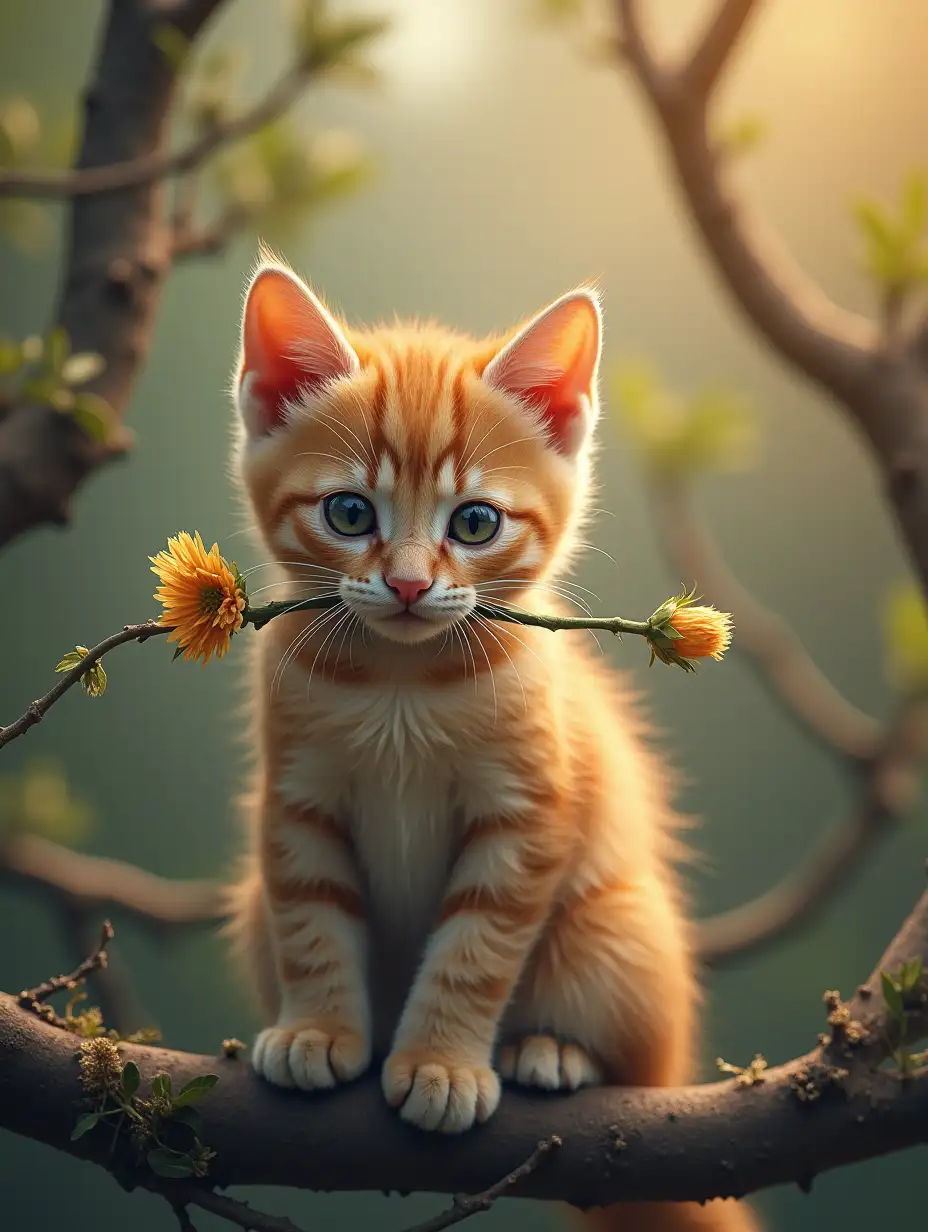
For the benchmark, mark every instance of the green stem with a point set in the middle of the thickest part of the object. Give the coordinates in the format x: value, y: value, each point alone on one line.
x: 656, y: 631
x: 260, y: 616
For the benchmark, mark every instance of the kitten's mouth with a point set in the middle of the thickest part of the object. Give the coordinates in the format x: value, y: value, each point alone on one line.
x: 408, y: 626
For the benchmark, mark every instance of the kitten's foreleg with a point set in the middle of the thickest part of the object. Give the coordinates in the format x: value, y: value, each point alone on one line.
x: 316, y: 917
x: 440, y: 1070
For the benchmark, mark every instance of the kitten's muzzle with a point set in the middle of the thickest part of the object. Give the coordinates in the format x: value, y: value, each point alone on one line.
x: 408, y: 590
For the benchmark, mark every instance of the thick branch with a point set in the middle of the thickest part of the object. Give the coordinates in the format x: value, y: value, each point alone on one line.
x: 118, y: 255
x: 98, y: 883
x: 706, y: 63
x: 789, y: 309
x: 885, y: 394
x: 829, y: 1108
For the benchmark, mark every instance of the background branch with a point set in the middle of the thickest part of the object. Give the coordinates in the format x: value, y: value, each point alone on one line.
x: 831, y: 1107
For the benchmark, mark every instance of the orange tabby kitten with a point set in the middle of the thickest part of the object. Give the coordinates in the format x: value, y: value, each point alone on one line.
x: 460, y: 844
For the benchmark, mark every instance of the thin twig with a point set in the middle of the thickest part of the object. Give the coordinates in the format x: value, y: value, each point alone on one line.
x: 158, y: 166
x: 466, y: 1205
x: 182, y: 1194
x: 37, y: 710
x: 184, y: 1222
x: 33, y: 998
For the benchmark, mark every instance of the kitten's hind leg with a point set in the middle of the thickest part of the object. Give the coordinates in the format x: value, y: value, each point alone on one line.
x: 549, y: 1064
x: 607, y: 996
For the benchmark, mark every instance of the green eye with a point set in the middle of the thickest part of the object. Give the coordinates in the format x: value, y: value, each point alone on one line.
x: 474, y: 523
x: 350, y: 514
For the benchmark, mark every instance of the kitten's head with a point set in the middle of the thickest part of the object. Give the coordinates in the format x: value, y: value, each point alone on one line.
x: 417, y: 471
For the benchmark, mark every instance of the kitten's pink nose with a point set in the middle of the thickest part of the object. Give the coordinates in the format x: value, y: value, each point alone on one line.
x: 408, y: 589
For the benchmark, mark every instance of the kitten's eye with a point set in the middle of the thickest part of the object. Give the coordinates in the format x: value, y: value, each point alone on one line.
x: 350, y: 514
x: 474, y: 523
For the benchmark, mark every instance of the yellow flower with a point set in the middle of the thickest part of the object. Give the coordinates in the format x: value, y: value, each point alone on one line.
x: 203, y: 597
x: 682, y: 632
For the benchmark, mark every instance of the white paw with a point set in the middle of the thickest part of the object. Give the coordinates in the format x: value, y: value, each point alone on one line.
x: 311, y: 1057
x: 540, y: 1061
x: 438, y: 1093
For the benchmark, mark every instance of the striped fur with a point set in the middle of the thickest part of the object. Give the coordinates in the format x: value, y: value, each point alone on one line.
x: 461, y: 842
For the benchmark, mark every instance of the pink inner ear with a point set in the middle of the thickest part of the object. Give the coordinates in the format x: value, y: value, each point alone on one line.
x: 551, y: 364
x: 289, y: 344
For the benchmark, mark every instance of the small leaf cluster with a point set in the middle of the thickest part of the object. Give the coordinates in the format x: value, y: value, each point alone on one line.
x: 329, y: 43
x: 167, y: 1131
x: 742, y: 134
x: 93, y: 681
x: 275, y: 177
x: 750, y: 1075
x: 905, y: 628
x: 88, y: 1024
x: 40, y: 800
x: 45, y: 372
x: 895, y: 240
x: 902, y: 992
x: 710, y: 430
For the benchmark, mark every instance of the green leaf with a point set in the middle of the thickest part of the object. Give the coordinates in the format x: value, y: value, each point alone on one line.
x: 910, y: 973
x: 130, y: 1079
x: 72, y: 659
x: 905, y: 625
x: 914, y: 211
x: 85, y: 1124
x: 178, y: 651
x: 195, y: 1089
x: 892, y: 995
x: 167, y: 1163
x: 172, y: 43
x: 40, y: 389
x: 161, y: 1086
x: 743, y: 134
x: 83, y: 367
x: 57, y: 350
x: 95, y: 416
x: 93, y: 681
x: 191, y: 1118
x: 11, y: 356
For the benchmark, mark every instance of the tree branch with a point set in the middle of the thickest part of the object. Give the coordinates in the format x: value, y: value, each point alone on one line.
x: 885, y: 394
x: 96, y: 883
x: 889, y: 784
x: 806, y: 693
x: 160, y: 165
x: 791, y: 311
x: 833, y: 1106
x: 707, y: 61
x: 120, y: 248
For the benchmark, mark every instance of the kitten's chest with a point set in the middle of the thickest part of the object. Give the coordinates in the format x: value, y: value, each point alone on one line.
x: 398, y: 771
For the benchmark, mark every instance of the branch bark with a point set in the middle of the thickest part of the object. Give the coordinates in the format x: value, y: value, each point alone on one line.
x: 831, y: 1107
x: 885, y: 393
x: 118, y: 256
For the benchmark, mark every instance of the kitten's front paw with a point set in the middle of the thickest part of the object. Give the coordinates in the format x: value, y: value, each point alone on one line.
x: 541, y: 1061
x: 310, y: 1056
x: 438, y: 1092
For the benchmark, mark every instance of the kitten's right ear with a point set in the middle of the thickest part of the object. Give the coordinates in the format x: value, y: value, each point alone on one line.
x: 291, y: 344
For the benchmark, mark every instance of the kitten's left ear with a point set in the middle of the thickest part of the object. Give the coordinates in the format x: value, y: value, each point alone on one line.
x: 552, y: 363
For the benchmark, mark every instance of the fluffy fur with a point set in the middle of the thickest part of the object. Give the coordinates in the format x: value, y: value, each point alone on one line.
x: 461, y: 845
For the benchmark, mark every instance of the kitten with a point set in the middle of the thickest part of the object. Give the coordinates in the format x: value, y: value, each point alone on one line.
x: 460, y: 844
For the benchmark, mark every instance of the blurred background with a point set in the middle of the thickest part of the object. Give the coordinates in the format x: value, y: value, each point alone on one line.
x: 496, y: 164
